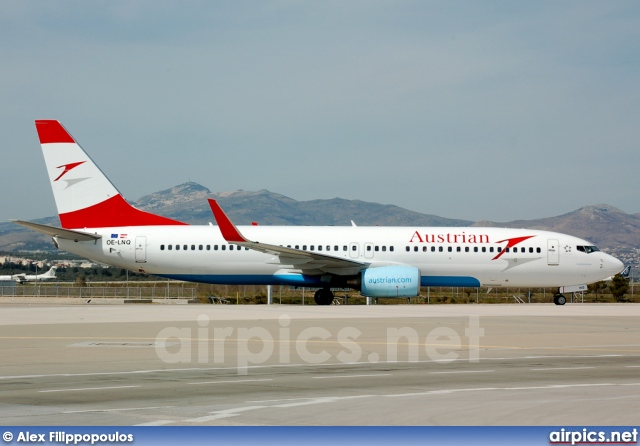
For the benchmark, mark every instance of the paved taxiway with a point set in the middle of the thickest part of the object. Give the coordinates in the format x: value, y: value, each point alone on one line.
x: 345, y: 365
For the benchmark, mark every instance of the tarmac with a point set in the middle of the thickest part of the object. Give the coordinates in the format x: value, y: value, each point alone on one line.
x: 141, y: 364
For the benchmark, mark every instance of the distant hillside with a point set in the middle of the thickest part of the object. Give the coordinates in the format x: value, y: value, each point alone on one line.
x: 604, y: 225
x: 188, y: 203
x: 609, y: 228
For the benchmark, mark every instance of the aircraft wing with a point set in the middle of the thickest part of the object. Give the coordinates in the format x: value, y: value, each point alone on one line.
x: 308, y: 262
x: 66, y: 234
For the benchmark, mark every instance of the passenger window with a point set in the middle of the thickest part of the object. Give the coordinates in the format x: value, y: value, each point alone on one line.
x: 440, y: 248
x: 449, y: 248
x: 368, y: 248
x: 384, y: 249
x: 200, y: 247
x: 475, y: 249
x: 391, y: 248
x: 466, y: 249
x: 484, y: 249
x: 177, y: 247
x: 424, y: 249
x: 415, y: 249
x: 304, y: 247
x: 377, y: 248
x: 208, y: 247
x: 193, y: 247
x: 458, y: 249
x: 297, y: 246
x: 184, y: 247
x: 335, y: 248
x: 215, y: 247
x: 319, y: 247
x: 344, y: 247
x: 230, y: 247
x: 223, y: 247
x: 433, y: 249
x: 408, y: 249
x: 531, y: 250
x: 161, y: 247
x: 170, y: 247
x: 491, y: 249
x: 311, y: 247
x: 538, y: 250
x: 354, y: 247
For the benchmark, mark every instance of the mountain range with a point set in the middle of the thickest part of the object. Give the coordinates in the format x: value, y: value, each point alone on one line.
x: 606, y: 226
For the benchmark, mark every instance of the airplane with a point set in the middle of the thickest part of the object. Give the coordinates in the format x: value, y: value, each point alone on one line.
x: 49, y: 275
x: 11, y: 277
x: 99, y: 224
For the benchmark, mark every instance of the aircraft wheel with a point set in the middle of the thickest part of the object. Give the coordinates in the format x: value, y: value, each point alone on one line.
x: 323, y: 296
x: 559, y: 299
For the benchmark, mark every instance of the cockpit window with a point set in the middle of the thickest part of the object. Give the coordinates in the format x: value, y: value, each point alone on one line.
x: 588, y: 249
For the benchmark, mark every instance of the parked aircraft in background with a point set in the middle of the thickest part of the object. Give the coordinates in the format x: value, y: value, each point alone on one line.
x: 49, y: 275
x: 10, y: 277
x: 97, y: 223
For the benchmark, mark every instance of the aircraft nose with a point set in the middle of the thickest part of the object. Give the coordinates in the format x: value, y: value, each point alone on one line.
x: 612, y: 265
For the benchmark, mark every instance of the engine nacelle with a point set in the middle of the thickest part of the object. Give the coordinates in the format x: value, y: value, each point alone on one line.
x: 390, y: 281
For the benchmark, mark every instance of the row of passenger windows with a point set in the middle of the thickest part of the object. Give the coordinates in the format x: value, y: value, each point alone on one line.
x: 354, y: 247
x: 337, y: 248
x: 475, y: 249
x: 303, y: 247
x: 200, y: 247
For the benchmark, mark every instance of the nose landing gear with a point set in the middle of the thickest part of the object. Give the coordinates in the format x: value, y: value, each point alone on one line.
x: 559, y: 299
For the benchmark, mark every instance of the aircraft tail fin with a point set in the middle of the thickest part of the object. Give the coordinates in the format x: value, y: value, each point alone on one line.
x: 84, y: 196
x: 626, y: 271
x: 51, y: 272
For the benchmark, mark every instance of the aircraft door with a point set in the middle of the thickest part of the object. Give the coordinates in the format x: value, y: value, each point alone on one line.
x: 368, y: 250
x: 141, y: 249
x: 354, y: 250
x: 553, y: 252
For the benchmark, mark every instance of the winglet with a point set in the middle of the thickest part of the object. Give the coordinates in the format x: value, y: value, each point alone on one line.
x: 228, y: 229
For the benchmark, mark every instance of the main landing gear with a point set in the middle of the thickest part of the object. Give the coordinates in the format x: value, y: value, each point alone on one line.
x: 559, y: 299
x: 324, y: 296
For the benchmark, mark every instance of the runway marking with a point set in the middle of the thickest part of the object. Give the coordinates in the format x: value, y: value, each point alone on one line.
x: 157, y: 423
x: 228, y: 413
x: 86, y: 388
x: 233, y: 381
x: 460, y: 371
x: 633, y: 366
x: 274, y: 366
x: 352, y: 376
x: 124, y: 409
x: 562, y: 368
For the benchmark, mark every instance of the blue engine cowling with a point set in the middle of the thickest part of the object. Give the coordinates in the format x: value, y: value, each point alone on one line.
x: 390, y: 281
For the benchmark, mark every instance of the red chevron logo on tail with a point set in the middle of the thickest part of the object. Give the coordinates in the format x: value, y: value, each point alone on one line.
x: 67, y: 168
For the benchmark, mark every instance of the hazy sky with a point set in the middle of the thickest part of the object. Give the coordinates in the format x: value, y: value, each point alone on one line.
x: 498, y: 110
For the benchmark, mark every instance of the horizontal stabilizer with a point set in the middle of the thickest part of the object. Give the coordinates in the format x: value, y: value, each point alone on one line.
x: 65, y: 234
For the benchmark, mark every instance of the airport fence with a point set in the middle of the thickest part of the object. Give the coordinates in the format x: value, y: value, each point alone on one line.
x: 97, y: 292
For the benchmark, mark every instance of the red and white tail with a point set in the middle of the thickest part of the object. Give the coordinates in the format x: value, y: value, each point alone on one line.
x: 84, y: 195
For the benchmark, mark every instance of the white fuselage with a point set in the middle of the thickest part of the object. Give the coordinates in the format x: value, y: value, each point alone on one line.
x: 454, y: 256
